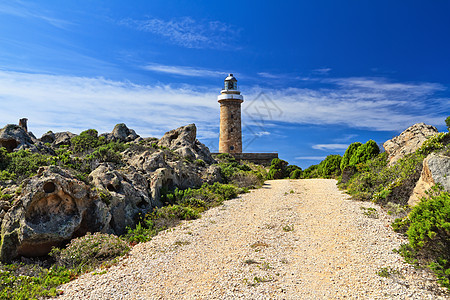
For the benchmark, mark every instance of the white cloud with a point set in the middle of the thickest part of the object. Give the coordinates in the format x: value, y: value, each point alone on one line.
x: 310, y: 157
x: 29, y: 10
x: 58, y: 103
x: 62, y: 103
x: 322, y: 71
x: 184, y: 71
x: 330, y: 146
x: 188, y: 32
x: 374, y: 104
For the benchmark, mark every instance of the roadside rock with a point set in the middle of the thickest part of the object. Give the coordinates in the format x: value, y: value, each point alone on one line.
x: 126, y: 195
x: 436, y: 169
x: 53, y: 208
x: 408, y: 141
x: 13, y: 136
x: 184, y: 142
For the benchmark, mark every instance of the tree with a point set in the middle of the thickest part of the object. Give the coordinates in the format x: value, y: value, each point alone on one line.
x: 364, y: 153
x: 277, y: 169
x: 330, y: 166
x: 447, y: 122
x: 348, y: 154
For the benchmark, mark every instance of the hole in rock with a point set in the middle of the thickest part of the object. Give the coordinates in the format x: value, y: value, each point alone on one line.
x: 110, y: 187
x: 49, y: 187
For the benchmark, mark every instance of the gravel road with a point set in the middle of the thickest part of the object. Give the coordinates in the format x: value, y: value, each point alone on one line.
x: 291, y: 239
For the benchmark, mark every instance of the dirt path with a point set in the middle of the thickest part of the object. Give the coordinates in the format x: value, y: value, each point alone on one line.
x: 292, y: 239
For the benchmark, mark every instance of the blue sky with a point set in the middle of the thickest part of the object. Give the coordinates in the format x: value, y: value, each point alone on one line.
x: 315, y: 75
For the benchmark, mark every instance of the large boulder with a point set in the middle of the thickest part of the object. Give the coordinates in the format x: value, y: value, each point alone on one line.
x: 408, y: 141
x: 53, y: 208
x: 62, y: 139
x: 13, y: 137
x: 183, y: 141
x: 121, y: 133
x: 127, y: 195
x: 436, y: 170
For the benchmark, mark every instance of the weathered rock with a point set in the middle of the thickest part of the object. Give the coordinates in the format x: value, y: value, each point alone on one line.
x: 408, y: 141
x: 213, y: 174
x: 53, y: 208
x: 48, y: 137
x: 127, y: 195
x: 120, y: 133
x: 13, y: 136
x: 183, y: 141
x: 436, y: 169
x: 63, y: 138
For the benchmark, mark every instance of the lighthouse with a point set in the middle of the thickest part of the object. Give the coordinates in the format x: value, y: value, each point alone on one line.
x: 230, y: 99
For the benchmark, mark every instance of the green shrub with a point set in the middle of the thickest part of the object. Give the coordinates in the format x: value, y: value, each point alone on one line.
x: 364, y: 152
x: 5, y: 175
x: 330, y: 166
x: 24, y: 164
x: 348, y: 154
x: 87, y: 140
x: 296, y: 174
x: 87, y: 252
x: 278, y: 169
x: 311, y: 172
x: 200, y: 162
x: 429, y: 236
x: 435, y: 142
x: 38, y: 282
x: 447, y: 122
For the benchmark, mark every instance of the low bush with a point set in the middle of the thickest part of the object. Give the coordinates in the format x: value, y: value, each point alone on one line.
x: 88, y: 252
x: 87, y: 140
x: 330, y: 166
x: 429, y: 235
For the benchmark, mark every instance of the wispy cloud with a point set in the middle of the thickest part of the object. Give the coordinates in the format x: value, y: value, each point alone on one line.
x: 62, y: 103
x: 28, y: 10
x: 322, y: 71
x: 330, y: 146
x: 310, y: 157
x: 187, y: 32
x: 76, y: 103
x: 364, y: 103
x: 184, y: 71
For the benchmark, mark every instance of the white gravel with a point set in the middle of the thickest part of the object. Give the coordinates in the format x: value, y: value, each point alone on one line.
x: 291, y: 239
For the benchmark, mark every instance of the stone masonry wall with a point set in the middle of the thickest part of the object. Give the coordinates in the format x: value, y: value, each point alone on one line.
x: 230, y: 127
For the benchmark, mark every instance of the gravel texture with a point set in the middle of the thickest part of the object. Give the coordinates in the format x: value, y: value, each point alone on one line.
x: 291, y: 239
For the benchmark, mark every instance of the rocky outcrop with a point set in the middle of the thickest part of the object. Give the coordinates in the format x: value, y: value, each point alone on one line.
x: 126, y: 195
x: 62, y: 139
x: 121, y: 133
x: 52, y: 208
x: 14, y: 137
x: 408, y: 141
x: 436, y: 170
x: 184, y: 142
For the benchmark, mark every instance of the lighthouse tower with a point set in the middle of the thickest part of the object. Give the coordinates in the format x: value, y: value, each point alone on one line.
x: 230, y: 100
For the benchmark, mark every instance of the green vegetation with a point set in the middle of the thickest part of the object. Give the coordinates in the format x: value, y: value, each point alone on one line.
x: 428, y: 231
x: 280, y: 169
x: 447, y: 122
x: 33, y: 281
x: 348, y: 154
x: 330, y: 166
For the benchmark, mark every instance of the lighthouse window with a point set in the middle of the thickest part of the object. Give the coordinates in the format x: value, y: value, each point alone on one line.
x: 231, y: 116
x: 231, y: 129
x: 231, y: 147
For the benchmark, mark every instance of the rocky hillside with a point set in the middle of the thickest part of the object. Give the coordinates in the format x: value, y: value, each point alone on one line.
x: 63, y: 185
